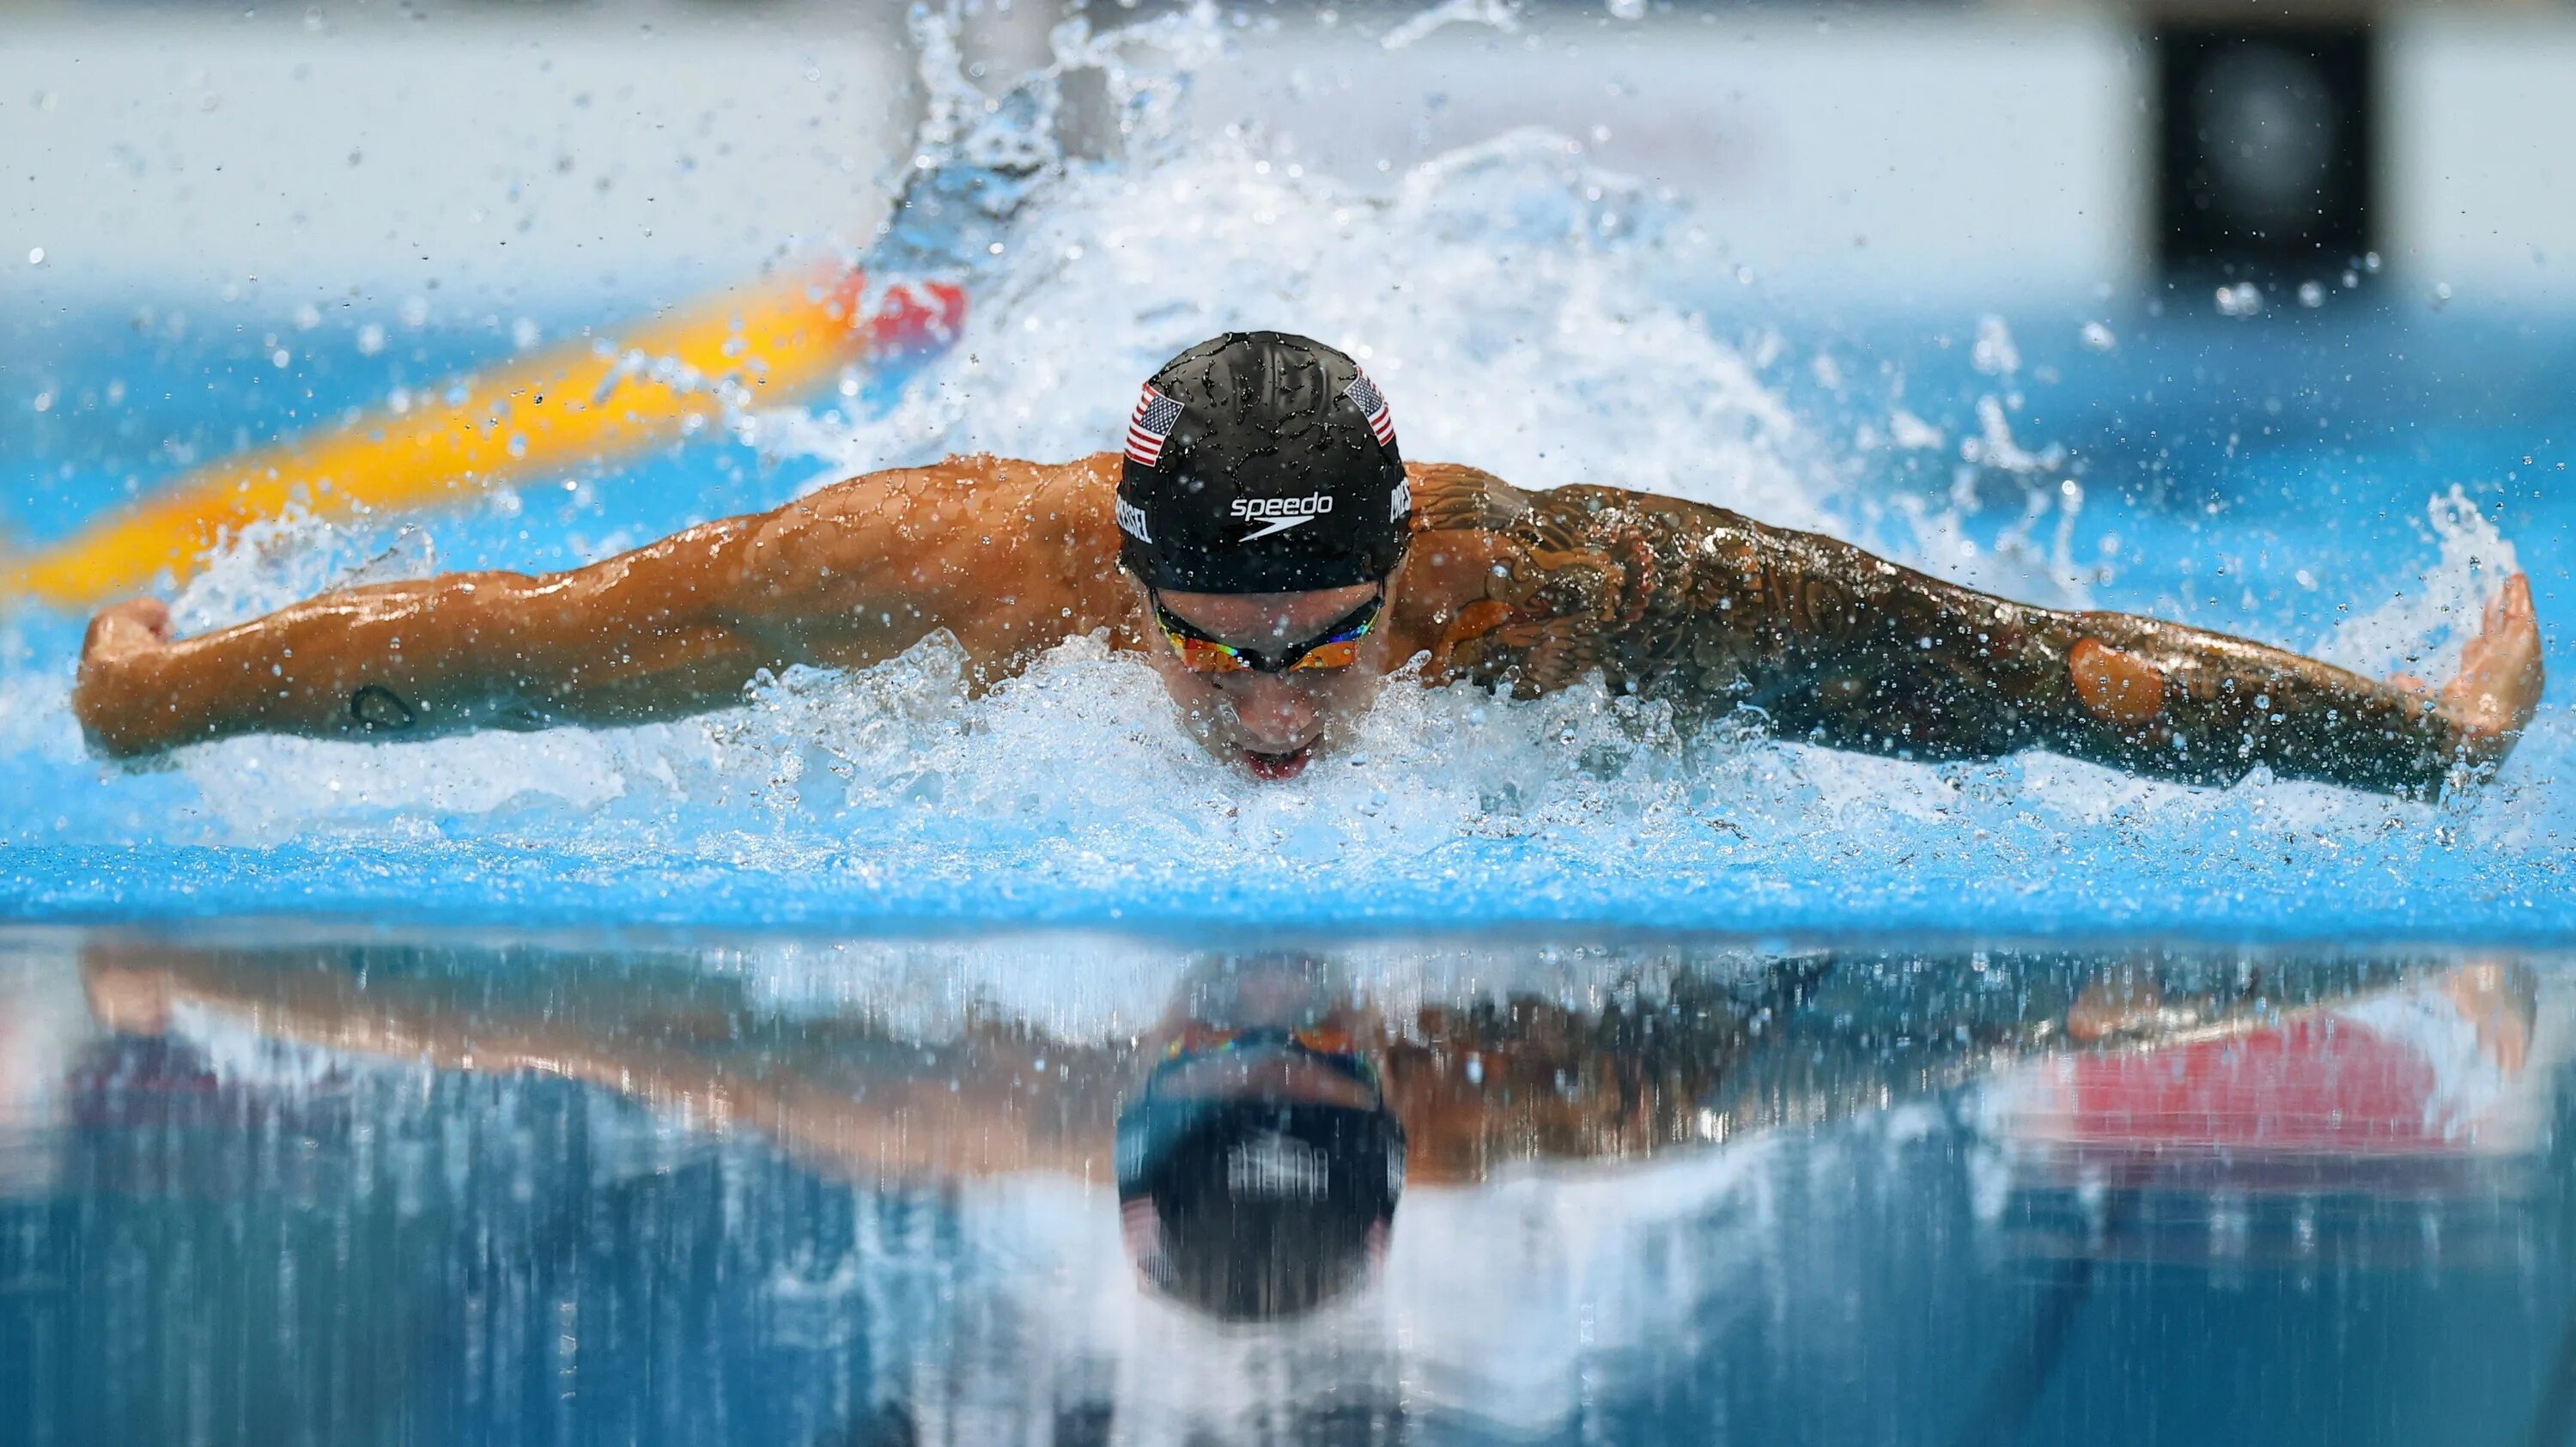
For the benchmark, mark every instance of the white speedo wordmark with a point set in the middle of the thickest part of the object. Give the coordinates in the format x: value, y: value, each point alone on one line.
x: 1279, y: 514
x: 1274, y: 1165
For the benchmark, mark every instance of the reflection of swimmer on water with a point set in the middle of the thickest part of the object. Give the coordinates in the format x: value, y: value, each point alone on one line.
x: 2420, y: 1075
x: 1264, y: 547
x: 1263, y: 1132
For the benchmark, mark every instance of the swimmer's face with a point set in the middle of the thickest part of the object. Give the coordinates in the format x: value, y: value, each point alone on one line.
x: 1271, y: 723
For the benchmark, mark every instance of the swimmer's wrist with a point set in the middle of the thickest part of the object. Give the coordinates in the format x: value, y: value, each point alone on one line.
x: 2475, y: 746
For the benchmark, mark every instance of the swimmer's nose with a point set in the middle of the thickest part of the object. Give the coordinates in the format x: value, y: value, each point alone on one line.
x: 1275, y: 714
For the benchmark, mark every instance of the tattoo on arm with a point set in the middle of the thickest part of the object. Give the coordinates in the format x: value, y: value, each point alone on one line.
x: 378, y: 709
x: 1710, y: 611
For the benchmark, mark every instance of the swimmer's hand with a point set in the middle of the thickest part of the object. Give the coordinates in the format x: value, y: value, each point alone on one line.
x: 2497, y: 689
x: 112, y: 692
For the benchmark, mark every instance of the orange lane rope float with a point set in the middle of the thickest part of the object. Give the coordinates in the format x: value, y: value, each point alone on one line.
x: 569, y: 406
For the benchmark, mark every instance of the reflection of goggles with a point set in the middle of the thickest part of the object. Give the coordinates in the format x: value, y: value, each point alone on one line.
x: 1153, y: 1124
x: 1330, y: 1046
x: 1335, y: 647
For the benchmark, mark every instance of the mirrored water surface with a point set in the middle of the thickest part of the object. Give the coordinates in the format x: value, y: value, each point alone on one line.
x: 275, y: 1185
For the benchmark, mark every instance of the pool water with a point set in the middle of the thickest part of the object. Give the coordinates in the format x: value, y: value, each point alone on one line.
x: 1663, y: 1190
x: 751, y: 1078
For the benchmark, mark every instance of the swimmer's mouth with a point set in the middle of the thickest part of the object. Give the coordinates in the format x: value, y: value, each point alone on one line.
x: 1278, y: 768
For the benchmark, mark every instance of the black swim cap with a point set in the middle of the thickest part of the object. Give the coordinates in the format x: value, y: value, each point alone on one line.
x: 1253, y: 1209
x: 1260, y: 462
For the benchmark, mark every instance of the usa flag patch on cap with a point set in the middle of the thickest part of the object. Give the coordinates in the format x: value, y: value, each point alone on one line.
x: 1155, y: 417
x: 1372, y: 405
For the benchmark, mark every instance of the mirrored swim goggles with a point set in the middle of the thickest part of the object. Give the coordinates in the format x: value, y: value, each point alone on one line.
x: 1336, y: 647
x: 1332, y: 1047
x: 1160, y: 1134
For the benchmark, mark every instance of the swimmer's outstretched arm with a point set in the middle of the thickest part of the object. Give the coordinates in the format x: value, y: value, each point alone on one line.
x: 1699, y: 605
x: 845, y: 577
x: 1717, y: 1059
x: 867, y: 1123
x: 627, y: 639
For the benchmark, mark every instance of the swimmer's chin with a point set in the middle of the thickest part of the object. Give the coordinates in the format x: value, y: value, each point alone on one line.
x: 1278, y: 768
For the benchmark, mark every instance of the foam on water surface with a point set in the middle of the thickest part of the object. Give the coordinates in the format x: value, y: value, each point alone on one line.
x: 1526, y: 312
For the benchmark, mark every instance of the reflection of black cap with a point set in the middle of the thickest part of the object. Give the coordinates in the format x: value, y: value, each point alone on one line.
x: 1261, y: 462
x: 1256, y: 1209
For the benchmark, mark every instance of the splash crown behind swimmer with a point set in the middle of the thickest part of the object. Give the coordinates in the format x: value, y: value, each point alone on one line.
x: 1262, y: 545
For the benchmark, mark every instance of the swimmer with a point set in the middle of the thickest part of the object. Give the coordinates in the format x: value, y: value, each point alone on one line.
x: 1264, y: 547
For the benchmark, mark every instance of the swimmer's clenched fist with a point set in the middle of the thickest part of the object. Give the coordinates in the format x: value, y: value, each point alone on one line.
x: 1266, y: 549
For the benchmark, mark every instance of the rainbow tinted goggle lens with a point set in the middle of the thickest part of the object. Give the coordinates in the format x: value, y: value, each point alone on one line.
x: 1332, y: 1047
x: 1335, y: 647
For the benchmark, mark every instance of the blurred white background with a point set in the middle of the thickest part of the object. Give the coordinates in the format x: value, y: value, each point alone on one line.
x: 554, y: 152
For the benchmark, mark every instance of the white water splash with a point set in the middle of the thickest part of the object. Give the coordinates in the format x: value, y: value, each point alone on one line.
x: 1502, y: 15
x: 2421, y: 629
x: 276, y: 561
x: 1508, y: 269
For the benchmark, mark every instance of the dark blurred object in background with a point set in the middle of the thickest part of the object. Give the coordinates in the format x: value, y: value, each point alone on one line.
x: 2267, y: 150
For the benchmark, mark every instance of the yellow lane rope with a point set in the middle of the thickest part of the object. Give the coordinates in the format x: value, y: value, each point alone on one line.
x: 567, y: 406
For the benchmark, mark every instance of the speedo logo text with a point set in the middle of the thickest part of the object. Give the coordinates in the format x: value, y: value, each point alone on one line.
x: 1279, y: 514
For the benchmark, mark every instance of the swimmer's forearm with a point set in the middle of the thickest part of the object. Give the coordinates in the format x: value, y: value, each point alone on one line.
x: 1903, y: 663
x: 1880, y: 657
x: 623, y: 641
x: 299, y: 670
x: 407, y: 660
x: 1700, y: 606
x: 2203, y: 707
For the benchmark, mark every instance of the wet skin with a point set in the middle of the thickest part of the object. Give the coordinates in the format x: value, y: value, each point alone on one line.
x: 1510, y: 589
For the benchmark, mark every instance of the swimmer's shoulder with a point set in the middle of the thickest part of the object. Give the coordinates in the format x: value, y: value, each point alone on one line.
x: 969, y: 478
x: 978, y: 490
x: 1001, y: 551
x: 1453, y: 497
x: 976, y: 512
